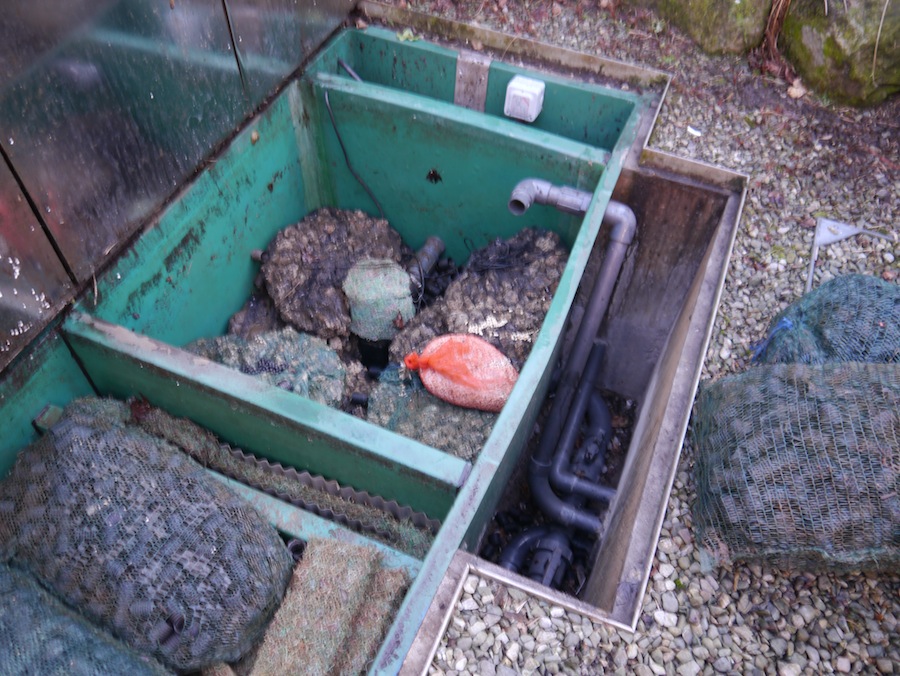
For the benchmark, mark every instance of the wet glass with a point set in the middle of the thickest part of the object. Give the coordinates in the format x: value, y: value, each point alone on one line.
x: 106, y: 108
x: 34, y: 285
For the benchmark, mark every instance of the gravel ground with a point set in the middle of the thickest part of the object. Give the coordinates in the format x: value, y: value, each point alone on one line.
x: 806, y: 158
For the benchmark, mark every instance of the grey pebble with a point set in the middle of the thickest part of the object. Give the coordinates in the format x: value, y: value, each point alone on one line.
x: 885, y: 666
x: 779, y: 646
x: 486, y: 668
x: 723, y: 664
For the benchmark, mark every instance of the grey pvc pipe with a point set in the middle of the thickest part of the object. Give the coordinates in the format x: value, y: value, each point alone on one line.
x: 623, y: 225
x: 563, y: 197
x: 599, y: 418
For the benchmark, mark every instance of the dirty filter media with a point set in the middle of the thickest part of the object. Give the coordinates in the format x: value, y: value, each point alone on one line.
x: 799, y: 466
x: 351, y: 508
x: 502, y: 296
x: 849, y: 318
x: 403, y: 405
x: 39, y: 635
x: 339, y: 605
x: 141, y: 539
x: 296, y: 362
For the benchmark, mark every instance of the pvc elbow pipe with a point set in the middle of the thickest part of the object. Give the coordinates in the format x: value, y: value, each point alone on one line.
x: 557, y: 509
x: 573, y: 201
x: 623, y: 222
x: 563, y: 197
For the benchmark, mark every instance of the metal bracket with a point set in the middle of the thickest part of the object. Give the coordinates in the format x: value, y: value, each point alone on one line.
x: 471, y: 80
x: 829, y: 232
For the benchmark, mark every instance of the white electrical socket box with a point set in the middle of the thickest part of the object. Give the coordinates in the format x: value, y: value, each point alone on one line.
x: 524, y: 98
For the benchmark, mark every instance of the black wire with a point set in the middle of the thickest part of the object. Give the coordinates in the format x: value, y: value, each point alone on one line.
x: 347, y: 157
x: 234, y: 47
x: 343, y: 64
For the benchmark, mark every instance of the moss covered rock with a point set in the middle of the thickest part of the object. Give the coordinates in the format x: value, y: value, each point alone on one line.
x: 717, y: 26
x: 834, y: 54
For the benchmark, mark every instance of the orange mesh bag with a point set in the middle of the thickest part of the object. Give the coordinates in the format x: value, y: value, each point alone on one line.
x: 465, y: 370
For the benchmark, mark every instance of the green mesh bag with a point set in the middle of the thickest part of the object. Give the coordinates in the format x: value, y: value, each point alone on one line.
x: 404, y: 406
x: 39, y: 635
x: 203, y: 446
x: 851, y: 318
x: 297, y: 362
x: 141, y: 539
x: 799, y: 466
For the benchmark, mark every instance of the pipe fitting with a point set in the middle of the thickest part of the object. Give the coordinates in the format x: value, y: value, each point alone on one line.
x: 425, y: 260
x: 553, y: 506
x: 623, y: 223
x: 563, y: 197
x: 623, y: 220
x: 562, y: 478
x: 513, y: 556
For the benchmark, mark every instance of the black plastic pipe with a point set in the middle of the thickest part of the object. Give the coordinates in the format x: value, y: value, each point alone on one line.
x: 425, y: 260
x: 551, y: 557
x: 519, y: 547
x: 599, y: 423
x: 623, y: 225
x: 561, y: 477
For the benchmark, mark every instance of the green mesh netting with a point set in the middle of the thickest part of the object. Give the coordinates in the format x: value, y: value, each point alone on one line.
x: 39, y: 635
x: 404, y: 406
x: 378, y: 294
x: 799, y: 466
x: 850, y: 318
x: 203, y: 446
x: 297, y: 362
x: 141, y: 539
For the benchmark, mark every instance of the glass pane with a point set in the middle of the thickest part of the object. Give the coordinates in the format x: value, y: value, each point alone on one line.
x: 108, y: 107
x: 33, y: 284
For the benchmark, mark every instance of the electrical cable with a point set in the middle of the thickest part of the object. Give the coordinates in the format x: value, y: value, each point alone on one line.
x: 337, y: 133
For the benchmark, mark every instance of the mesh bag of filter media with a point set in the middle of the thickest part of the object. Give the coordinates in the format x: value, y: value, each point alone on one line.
x: 293, y: 361
x: 402, y: 529
x: 502, y: 295
x: 799, y: 466
x: 141, y: 539
x: 403, y: 405
x: 851, y: 318
x: 40, y: 635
